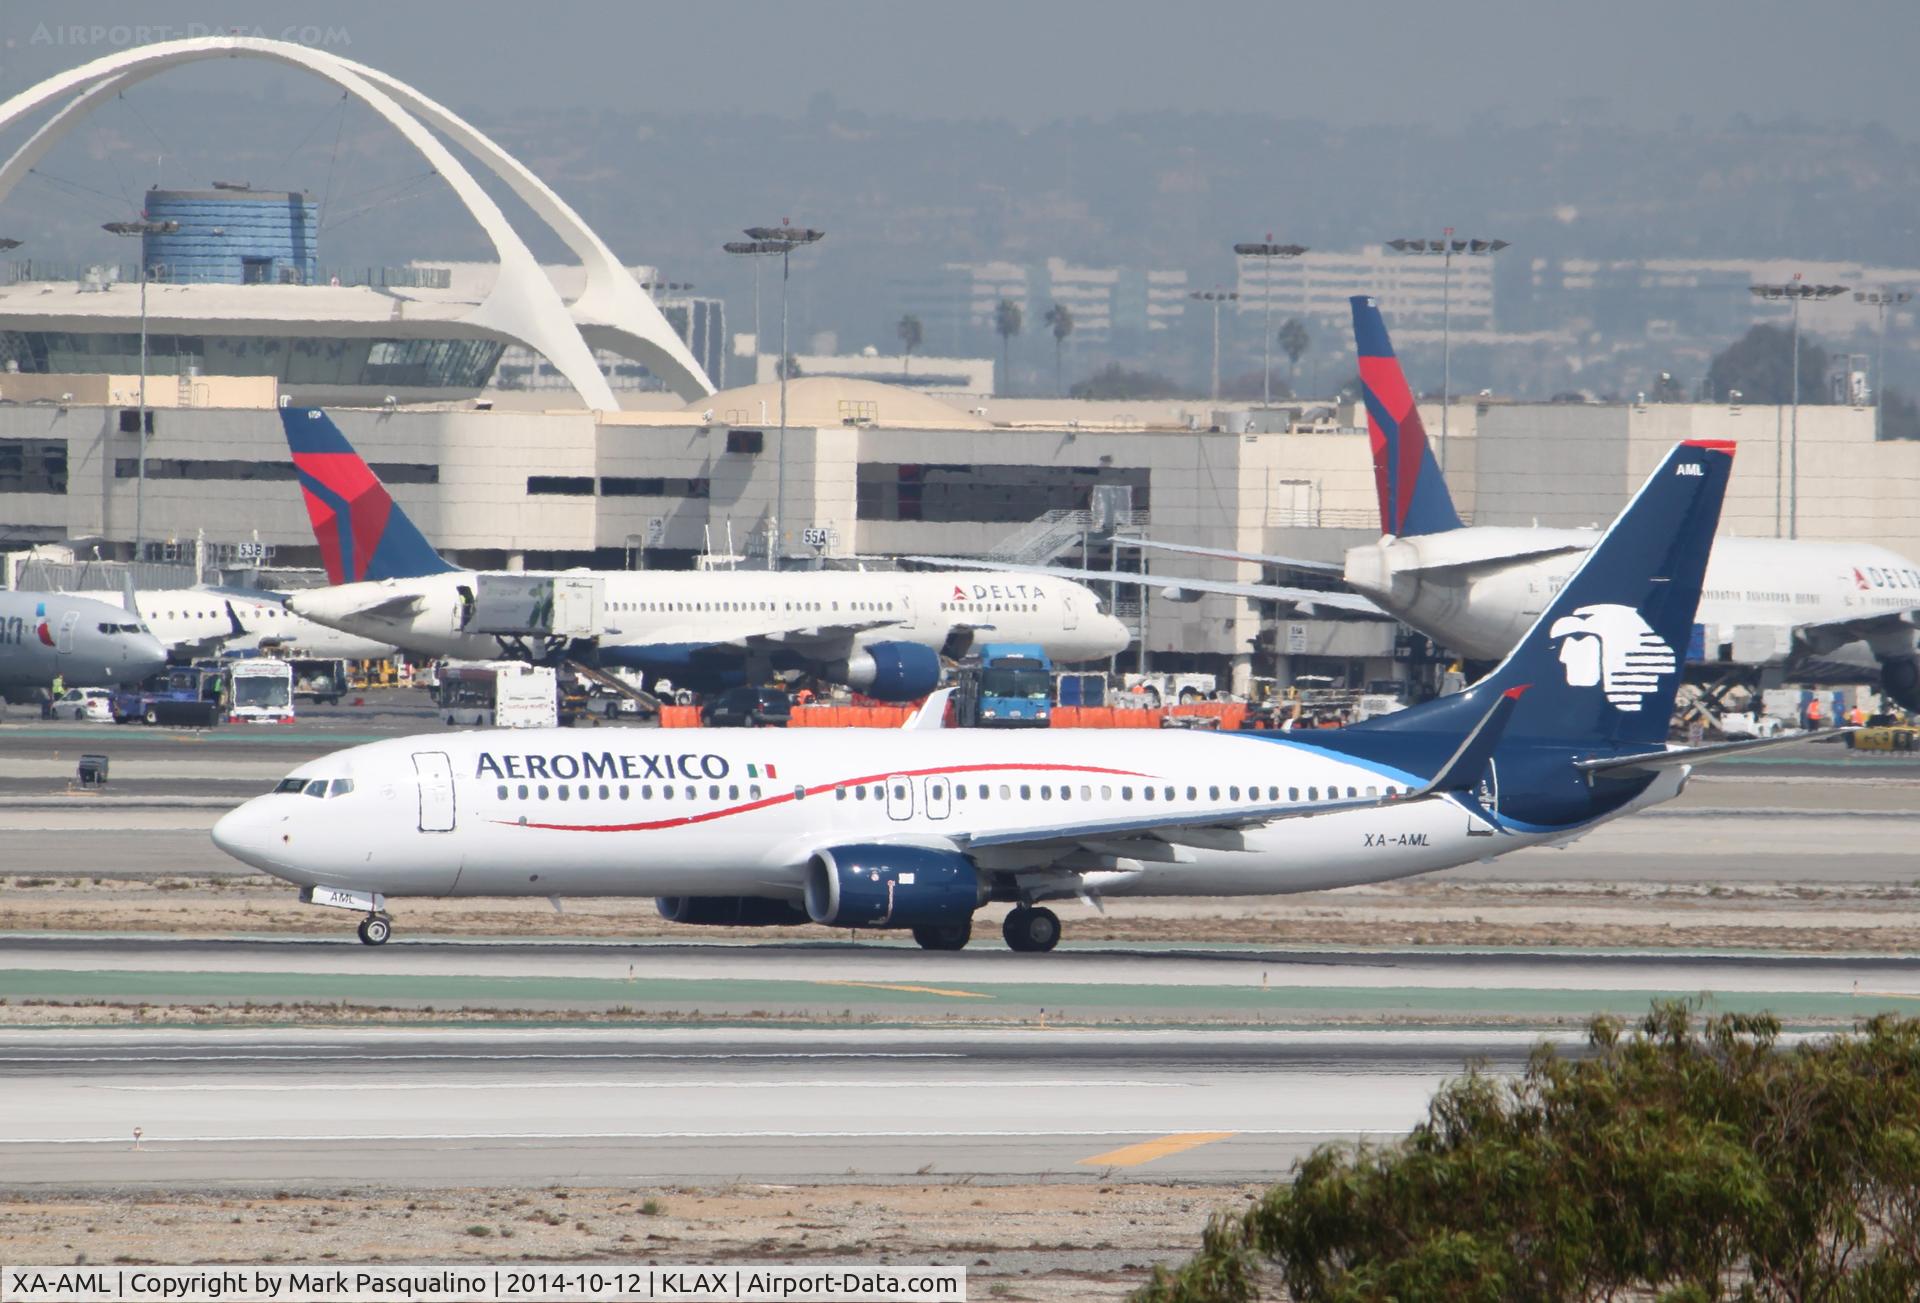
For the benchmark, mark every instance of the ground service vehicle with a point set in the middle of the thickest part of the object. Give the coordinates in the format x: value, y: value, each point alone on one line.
x: 498, y: 694
x: 748, y: 708
x: 191, y: 695
x: 262, y: 691
x: 87, y: 705
x: 916, y: 828
x: 321, y: 680
x: 1008, y: 685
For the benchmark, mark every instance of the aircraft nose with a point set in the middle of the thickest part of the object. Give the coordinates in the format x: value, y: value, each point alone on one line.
x: 250, y: 834
x: 1117, y: 635
x: 144, y: 656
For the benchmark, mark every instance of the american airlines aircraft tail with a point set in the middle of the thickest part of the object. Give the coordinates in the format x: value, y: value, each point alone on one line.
x: 362, y: 532
x: 919, y: 828
x: 1413, y: 494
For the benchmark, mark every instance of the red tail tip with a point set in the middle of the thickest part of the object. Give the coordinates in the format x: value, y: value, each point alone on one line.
x: 1717, y: 445
x: 1515, y: 691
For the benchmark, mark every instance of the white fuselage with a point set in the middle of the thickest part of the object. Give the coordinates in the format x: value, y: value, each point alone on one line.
x: 682, y: 607
x: 1477, y: 590
x: 703, y: 812
x: 196, y: 619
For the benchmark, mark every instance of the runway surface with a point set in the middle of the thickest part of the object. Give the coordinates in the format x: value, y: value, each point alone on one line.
x: 497, y: 1107
x: 1173, y: 984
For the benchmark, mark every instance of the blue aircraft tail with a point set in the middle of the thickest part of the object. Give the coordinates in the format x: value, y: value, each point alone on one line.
x: 1602, y: 663
x: 1413, y: 496
x: 361, y: 530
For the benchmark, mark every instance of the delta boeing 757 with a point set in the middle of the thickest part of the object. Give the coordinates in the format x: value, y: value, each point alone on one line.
x: 883, y: 632
x: 919, y: 828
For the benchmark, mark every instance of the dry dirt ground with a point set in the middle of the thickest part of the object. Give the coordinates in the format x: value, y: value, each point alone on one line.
x: 1811, y: 916
x: 1080, y: 1241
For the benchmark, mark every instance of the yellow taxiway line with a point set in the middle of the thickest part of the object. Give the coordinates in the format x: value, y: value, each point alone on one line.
x: 916, y: 990
x: 1149, y: 1150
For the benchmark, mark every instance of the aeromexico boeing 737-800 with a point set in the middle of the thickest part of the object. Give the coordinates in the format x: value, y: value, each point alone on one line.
x: 880, y: 632
x: 918, y: 828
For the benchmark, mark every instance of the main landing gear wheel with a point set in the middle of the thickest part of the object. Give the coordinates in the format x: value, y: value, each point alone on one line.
x: 952, y: 936
x: 375, y: 930
x: 1030, y: 930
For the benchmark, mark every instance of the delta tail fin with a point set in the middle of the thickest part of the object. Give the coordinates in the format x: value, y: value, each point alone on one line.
x: 362, y: 532
x: 1413, y: 496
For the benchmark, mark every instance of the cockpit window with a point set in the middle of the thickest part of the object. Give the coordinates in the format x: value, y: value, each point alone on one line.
x: 341, y: 786
x: 318, y: 787
x: 291, y: 785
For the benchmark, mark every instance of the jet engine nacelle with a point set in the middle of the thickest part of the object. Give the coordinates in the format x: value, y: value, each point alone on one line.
x: 730, y: 911
x: 893, y: 671
x: 1900, y: 679
x: 892, y: 886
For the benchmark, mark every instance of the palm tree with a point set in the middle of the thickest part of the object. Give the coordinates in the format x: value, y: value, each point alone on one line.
x: 1060, y: 317
x: 910, y: 336
x: 1007, y: 320
x: 1293, y: 339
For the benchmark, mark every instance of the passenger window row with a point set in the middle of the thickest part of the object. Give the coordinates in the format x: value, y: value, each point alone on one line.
x: 624, y: 792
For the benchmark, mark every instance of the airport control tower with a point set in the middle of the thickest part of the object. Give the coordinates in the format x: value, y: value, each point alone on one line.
x: 233, y: 235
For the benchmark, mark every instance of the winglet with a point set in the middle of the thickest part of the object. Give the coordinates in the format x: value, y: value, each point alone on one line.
x: 1464, y: 767
x: 1413, y: 496
x: 362, y: 532
x: 932, y: 712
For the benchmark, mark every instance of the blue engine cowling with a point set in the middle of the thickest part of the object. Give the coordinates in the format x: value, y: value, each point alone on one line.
x: 892, y: 886
x: 730, y: 911
x: 893, y: 671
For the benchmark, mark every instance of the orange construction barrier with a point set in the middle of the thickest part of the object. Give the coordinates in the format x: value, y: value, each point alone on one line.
x: 679, y: 717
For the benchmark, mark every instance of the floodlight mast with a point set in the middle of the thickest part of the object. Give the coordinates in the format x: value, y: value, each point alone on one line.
x: 1216, y: 298
x: 142, y: 229
x: 1793, y: 292
x: 1882, y: 300
x: 766, y: 241
x: 1266, y: 251
x: 1446, y: 248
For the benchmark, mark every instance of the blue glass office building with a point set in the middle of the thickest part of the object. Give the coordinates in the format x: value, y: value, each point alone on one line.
x: 233, y: 237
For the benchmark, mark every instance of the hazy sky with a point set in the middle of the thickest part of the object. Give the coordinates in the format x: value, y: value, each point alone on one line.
x: 1646, y: 62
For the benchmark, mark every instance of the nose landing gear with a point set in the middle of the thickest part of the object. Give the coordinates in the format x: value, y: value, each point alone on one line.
x: 1031, y: 930
x: 375, y: 929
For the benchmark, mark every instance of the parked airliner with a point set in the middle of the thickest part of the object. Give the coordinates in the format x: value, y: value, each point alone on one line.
x: 881, y: 632
x: 918, y: 828
x: 85, y: 643
x: 1785, y: 607
x: 211, y: 621
x: 1773, y: 609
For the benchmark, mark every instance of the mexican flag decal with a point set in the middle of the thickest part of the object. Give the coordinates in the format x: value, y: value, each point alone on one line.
x: 761, y: 771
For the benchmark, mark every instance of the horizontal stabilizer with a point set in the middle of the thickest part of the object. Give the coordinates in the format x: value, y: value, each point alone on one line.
x: 1648, y: 761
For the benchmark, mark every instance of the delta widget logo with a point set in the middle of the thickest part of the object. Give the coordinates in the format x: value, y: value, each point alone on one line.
x: 1611, y: 647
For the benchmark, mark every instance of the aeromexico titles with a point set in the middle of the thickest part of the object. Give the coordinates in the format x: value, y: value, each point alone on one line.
x: 919, y: 828
x: 881, y: 632
x: 1772, y: 610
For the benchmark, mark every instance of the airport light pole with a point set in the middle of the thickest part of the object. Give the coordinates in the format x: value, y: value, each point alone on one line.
x: 1266, y: 251
x: 142, y: 228
x: 762, y: 242
x: 1216, y: 298
x: 1446, y: 248
x: 1794, y: 291
x: 1882, y: 300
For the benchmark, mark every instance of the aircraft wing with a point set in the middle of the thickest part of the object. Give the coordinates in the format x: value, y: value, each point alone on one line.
x: 1290, y: 562
x: 1826, y: 635
x: 1302, y: 597
x: 1218, y: 828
